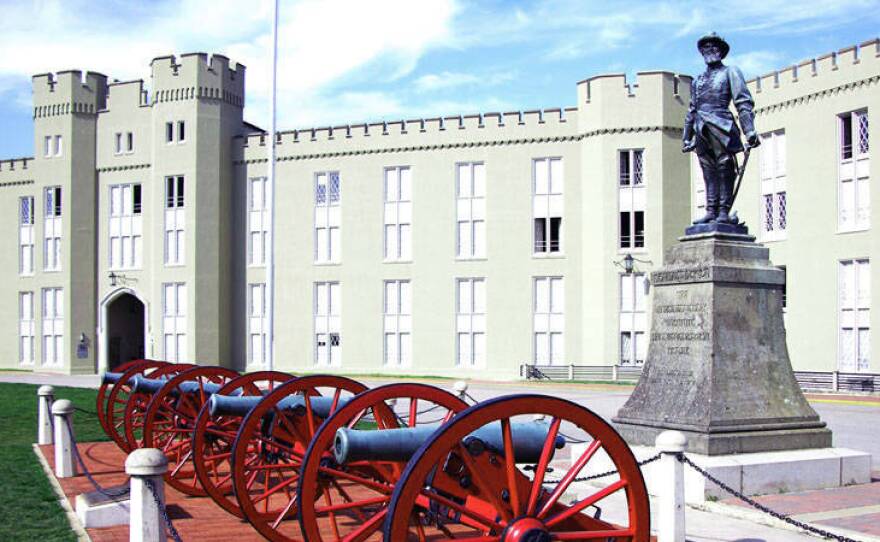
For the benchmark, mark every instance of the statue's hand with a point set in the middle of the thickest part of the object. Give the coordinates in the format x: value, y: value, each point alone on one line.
x: 688, y: 146
x: 753, y: 140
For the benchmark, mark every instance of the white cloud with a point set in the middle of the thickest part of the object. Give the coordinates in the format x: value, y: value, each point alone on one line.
x: 446, y: 80
x: 756, y: 63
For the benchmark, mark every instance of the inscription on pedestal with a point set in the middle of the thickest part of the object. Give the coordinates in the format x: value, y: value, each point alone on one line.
x: 678, y: 326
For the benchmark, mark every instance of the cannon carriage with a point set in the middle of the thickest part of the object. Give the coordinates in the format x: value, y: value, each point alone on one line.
x: 323, y: 458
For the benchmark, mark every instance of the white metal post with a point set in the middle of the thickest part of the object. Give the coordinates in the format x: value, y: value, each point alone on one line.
x: 62, y: 412
x: 45, y: 398
x: 670, y: 509
x: 145, y: 518
x: 270, y: 188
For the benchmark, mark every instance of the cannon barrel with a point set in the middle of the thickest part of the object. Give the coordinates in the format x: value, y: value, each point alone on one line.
x: 141, y: 384
x: 228, y: 405
x: 400, y: 444
x: 110, y: 378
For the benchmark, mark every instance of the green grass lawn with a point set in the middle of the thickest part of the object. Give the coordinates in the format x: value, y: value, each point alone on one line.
x: 29, y: 508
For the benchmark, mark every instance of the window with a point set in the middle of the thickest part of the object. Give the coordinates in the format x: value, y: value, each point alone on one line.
x: 129, y: 142
x: 53, y: 326
x: 52, y: 146
x: 175, y: 221
x: 47, y: 146
x: 26, y: 235
x: 174, y: 304
x: 471, y: 210
x: 470, y: 322
x: 26, y: 328
x: 631, y: 198
x: 118, y: 139
x: 854, y: 337
x: 547, y: 204
x: 124, y: 142
x: 398, y: 323
x: 327, y: 217
x: 549, y: 321
x: 774, y: 203
x: 181, y: 131
x: 58, y: 145
x: 169, y: 132
x: 126, y: 227
x: 175, y: 136
x: 258, y: 221
x: 256, y: 325
x: 398, y: 214
x: 854, y: 199
x: 52, y: 230
x: 328, y: 336
x: 633, y: 320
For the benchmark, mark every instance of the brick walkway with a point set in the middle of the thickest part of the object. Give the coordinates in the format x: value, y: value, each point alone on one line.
x: 855, y: 508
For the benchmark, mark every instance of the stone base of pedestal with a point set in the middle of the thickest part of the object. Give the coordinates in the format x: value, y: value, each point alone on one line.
x: 753, y: 474
x: 95, y: 509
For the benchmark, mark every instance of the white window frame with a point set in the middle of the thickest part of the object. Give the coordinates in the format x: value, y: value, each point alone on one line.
x: 53, y: 198
x: 397, y: 234
x: 854, y: 315
x: 174, y: 321
x: 256, y: 321
x: 26, y: 220
x: 470, y: 322
x: 774, y: 197
x: 328, y: 217
x: 117, y: 143
x: 470, y: 194
x: 26, y: 328
x: 58, y: 145
x: 53, y: 326
x: 548, y: 339
x: 548, y: 203
x: 631, y: 199
x: 397, y: 323
x: 258, y: 222
x: 633, y: 319
x: 125, y: 228
x: 327, y: 310
x: 180, y: 131
x: 854, y: 194
x: 47, y: 146
x: 175, y: 220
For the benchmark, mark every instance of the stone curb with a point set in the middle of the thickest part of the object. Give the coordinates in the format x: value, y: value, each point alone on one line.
x: 75, y: 525
x: 761, y: 518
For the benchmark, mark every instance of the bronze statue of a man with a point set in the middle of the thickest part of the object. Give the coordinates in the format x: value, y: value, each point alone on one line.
x: 710, y: 129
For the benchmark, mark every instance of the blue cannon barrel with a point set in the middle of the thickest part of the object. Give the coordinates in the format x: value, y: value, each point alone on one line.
x: 400, y: 444
x: 227, y: 405
x: 141, y: 384
x: 110, y: 378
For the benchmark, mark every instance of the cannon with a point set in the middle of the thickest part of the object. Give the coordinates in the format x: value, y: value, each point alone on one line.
x: 215, y: 430
x: 108, y: 382
x: 270, y: 446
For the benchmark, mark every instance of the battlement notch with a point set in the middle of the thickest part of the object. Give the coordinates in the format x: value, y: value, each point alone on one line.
x: 68, y: 92
x: 197, y: 76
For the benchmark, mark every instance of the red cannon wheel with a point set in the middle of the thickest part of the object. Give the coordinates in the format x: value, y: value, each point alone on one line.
x: 170, y: 418
x: 213, y: 437
x: 455, y: 488
x: 103, y: 397
x: 136, y: 407
x: 348, y: 502
x: 117, y: 400
x: 270, y: 446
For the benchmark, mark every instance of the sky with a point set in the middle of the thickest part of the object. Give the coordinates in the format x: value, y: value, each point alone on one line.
x: 351, y: 61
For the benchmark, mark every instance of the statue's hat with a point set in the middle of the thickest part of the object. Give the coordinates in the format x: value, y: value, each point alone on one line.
x: 718, y: 40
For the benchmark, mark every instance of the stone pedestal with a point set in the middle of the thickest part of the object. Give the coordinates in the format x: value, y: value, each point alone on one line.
x: 717, y: 366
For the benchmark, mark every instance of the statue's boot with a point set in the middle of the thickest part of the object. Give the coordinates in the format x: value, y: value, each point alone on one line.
x: 710, y: 216
x: 726, y: 175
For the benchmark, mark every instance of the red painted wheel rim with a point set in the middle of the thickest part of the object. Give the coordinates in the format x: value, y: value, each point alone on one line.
x: 484, y: 505
x: 267, y: 455
x: 373, y: 484
x: 104, y: 394
x: 213, y: 437
x: 117, y: 401
x: 169, y: 421
x: 136, y: 407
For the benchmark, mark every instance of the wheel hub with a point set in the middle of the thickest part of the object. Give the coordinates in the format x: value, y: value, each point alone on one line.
x: 526, y: 530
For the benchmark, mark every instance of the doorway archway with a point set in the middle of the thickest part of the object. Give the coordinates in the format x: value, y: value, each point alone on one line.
x: 123, y: 330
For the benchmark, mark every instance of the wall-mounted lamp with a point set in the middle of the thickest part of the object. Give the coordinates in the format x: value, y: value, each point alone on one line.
x: 629, y: 267
x: 116, y: 278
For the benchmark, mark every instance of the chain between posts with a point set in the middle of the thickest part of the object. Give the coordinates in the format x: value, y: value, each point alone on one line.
x: 607, y: 473
x: 164, y: 511
x: 111, y: 493
x: 755, y: 504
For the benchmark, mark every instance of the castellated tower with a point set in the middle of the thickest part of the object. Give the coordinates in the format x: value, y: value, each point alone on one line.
x: 63, y: 283
x: 635, y: 189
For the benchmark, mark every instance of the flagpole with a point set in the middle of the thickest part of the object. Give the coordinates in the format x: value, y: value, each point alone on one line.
x: 270, y: 186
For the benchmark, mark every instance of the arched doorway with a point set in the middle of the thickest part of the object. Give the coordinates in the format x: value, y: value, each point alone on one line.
x: 124, y: 330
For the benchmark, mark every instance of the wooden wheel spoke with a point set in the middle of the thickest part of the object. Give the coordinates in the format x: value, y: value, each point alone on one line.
x: 367, y: 528
x: 541, y: 468
x: 413, y: 411
x: 592, y: 499
x: 377, y: 486
x: 510, y: 466
x: 275, y: 489
x: 283, y: 513
x: 181, y: 464
x: 562, y: 486
x: 465, y: 511
x: 351, y: 505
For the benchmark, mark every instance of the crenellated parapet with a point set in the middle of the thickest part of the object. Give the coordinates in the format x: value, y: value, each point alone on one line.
x: 460, y: 131
x: 127, y: 95
x: 816, y: 78
x: 69, y: 92
x: 15, y: 164
x: 656, y: 98
x: 195, y: 76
